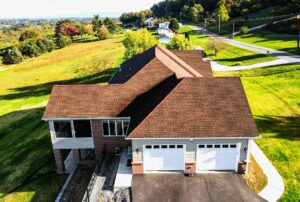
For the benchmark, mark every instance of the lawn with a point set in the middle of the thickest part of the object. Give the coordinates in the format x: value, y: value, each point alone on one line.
x: 273, y: 95
x: 26, y: 156
x: 268, y: 39
x: 233, y: 55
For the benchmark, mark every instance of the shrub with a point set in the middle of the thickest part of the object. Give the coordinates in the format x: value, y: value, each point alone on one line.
x: 244, y: 30
x: 50, y: 46
x: 12, y: 56
x: 29, y: 50
x: 62, y: 41
x: 103, y: 32
x: 216, y: 44
x: 40, y: 44
x: 137, y: 42
x: 174, y: 25
x: 29, y: 34
x: 179, y: 43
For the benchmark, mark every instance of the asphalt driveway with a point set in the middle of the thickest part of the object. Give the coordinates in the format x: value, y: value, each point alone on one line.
x: 201, y: 187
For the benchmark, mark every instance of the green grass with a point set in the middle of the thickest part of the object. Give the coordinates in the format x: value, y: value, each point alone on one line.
x: 274, y: 94
x: 232, y: 56
x: 268, y: 39
x: 26, y: 156
x: 185, y: 29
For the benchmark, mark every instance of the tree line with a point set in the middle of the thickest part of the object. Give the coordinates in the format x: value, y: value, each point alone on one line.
x: 32, y: 41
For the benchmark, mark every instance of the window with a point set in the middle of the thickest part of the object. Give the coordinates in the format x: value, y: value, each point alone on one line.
x: 209, y: 146
x: 164, y: 146
x: 225, y: 146
x: 232, y: 146
x: 201, y: 146
x: 115, y: 127
x: 156, y: 146
x: 62, y: 129
x: 179, y: 146
x: 82, y: 128
x: 148, y: 146
x: 172, y: 146
x: 217, y: 146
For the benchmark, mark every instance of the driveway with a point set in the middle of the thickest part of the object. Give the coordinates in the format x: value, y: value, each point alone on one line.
x: 200, y: 187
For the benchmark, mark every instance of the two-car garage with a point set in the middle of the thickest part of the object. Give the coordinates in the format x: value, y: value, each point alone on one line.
x: 208, y: 157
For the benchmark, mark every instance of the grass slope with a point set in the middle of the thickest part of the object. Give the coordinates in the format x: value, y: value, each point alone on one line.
x: 274, y: 94
x: 232, y: 55
x: 268, y: 39
x: 25, y: 147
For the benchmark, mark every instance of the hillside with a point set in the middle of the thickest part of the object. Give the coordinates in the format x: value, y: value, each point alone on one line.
x: 26, y: 156
x: 273, y: 95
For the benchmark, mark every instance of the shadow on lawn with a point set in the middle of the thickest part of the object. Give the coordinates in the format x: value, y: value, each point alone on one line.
x: 242, y: 58
x: 45, y: 88
x: 286, y: 127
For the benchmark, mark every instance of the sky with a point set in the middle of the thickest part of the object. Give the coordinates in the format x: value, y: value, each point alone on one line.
x: 70, y: 8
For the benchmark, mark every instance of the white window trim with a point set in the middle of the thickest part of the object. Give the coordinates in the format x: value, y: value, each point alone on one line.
x: 116, y: 131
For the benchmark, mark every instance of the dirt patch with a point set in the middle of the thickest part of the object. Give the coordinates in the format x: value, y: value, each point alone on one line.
x: 256, y: 179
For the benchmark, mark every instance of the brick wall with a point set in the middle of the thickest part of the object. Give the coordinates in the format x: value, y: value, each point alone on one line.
x: 59, y: 161
x: 190, y: 167
x: 109, y: 143
x: 137, y: 168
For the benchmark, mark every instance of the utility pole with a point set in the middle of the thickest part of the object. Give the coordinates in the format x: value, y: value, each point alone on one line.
x: 219, y: 24
x: 233, y: 30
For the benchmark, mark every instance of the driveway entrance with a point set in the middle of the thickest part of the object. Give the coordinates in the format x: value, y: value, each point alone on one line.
x: 202, y: 187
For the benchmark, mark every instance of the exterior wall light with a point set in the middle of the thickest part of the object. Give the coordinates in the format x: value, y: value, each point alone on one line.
x: 137, y: 149
x: 245, y: 148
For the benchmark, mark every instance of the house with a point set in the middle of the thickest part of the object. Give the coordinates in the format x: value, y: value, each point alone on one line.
x: 166, y: 105
x: 164, y: 33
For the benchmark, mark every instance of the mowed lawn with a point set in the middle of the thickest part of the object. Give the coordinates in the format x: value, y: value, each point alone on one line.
x: 232, y: 55
x: 268, y: 39
x: 274, y: 97
x: 26, y: 156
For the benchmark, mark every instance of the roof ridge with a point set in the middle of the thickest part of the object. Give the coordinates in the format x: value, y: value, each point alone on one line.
x: 186, y: 70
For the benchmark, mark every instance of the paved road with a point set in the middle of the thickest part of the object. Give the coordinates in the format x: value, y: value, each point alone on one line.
x: 210, y: 187
x: 282, y: 57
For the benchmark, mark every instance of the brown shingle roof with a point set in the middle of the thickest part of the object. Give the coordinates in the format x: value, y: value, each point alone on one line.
x: 200, y: 107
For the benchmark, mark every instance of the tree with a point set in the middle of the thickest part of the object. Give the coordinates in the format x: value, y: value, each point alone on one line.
x: 29, y: 34
x: 103, y: 33
x: 89, y: 29
x: 216, y: 44
x: 66, y: 28
x: 137, y: 42
x: 110, y: 24
x: 244, y: 30
x: 179, y: 43
x: 62, y: 41
x: 12, y: 56
x: 96, y: 23
x: 174, y: 25
x: 222, y: 12
x: 141, y: 20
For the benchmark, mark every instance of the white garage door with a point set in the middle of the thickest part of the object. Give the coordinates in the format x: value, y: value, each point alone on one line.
x: 163, y: 157
x: 217, y: 157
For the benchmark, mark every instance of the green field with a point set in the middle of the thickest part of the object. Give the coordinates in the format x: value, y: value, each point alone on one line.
x: 233, y: 55
x: 273, y: 95
x: 26, y: 156
x: 277, y: 41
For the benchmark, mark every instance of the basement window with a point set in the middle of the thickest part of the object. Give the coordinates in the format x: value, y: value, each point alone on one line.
x: 62, y: 129
x: 82, y: 128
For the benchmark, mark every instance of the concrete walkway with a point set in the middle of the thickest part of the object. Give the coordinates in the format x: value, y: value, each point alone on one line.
x: 124, y: 173
x: 275, y: 187
x: 282, y: 57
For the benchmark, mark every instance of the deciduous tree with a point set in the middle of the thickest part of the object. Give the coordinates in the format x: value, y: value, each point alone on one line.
x: 216, y: 44
x: 174, y: 25
x: 137, y: 42
x: 179, y: 42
